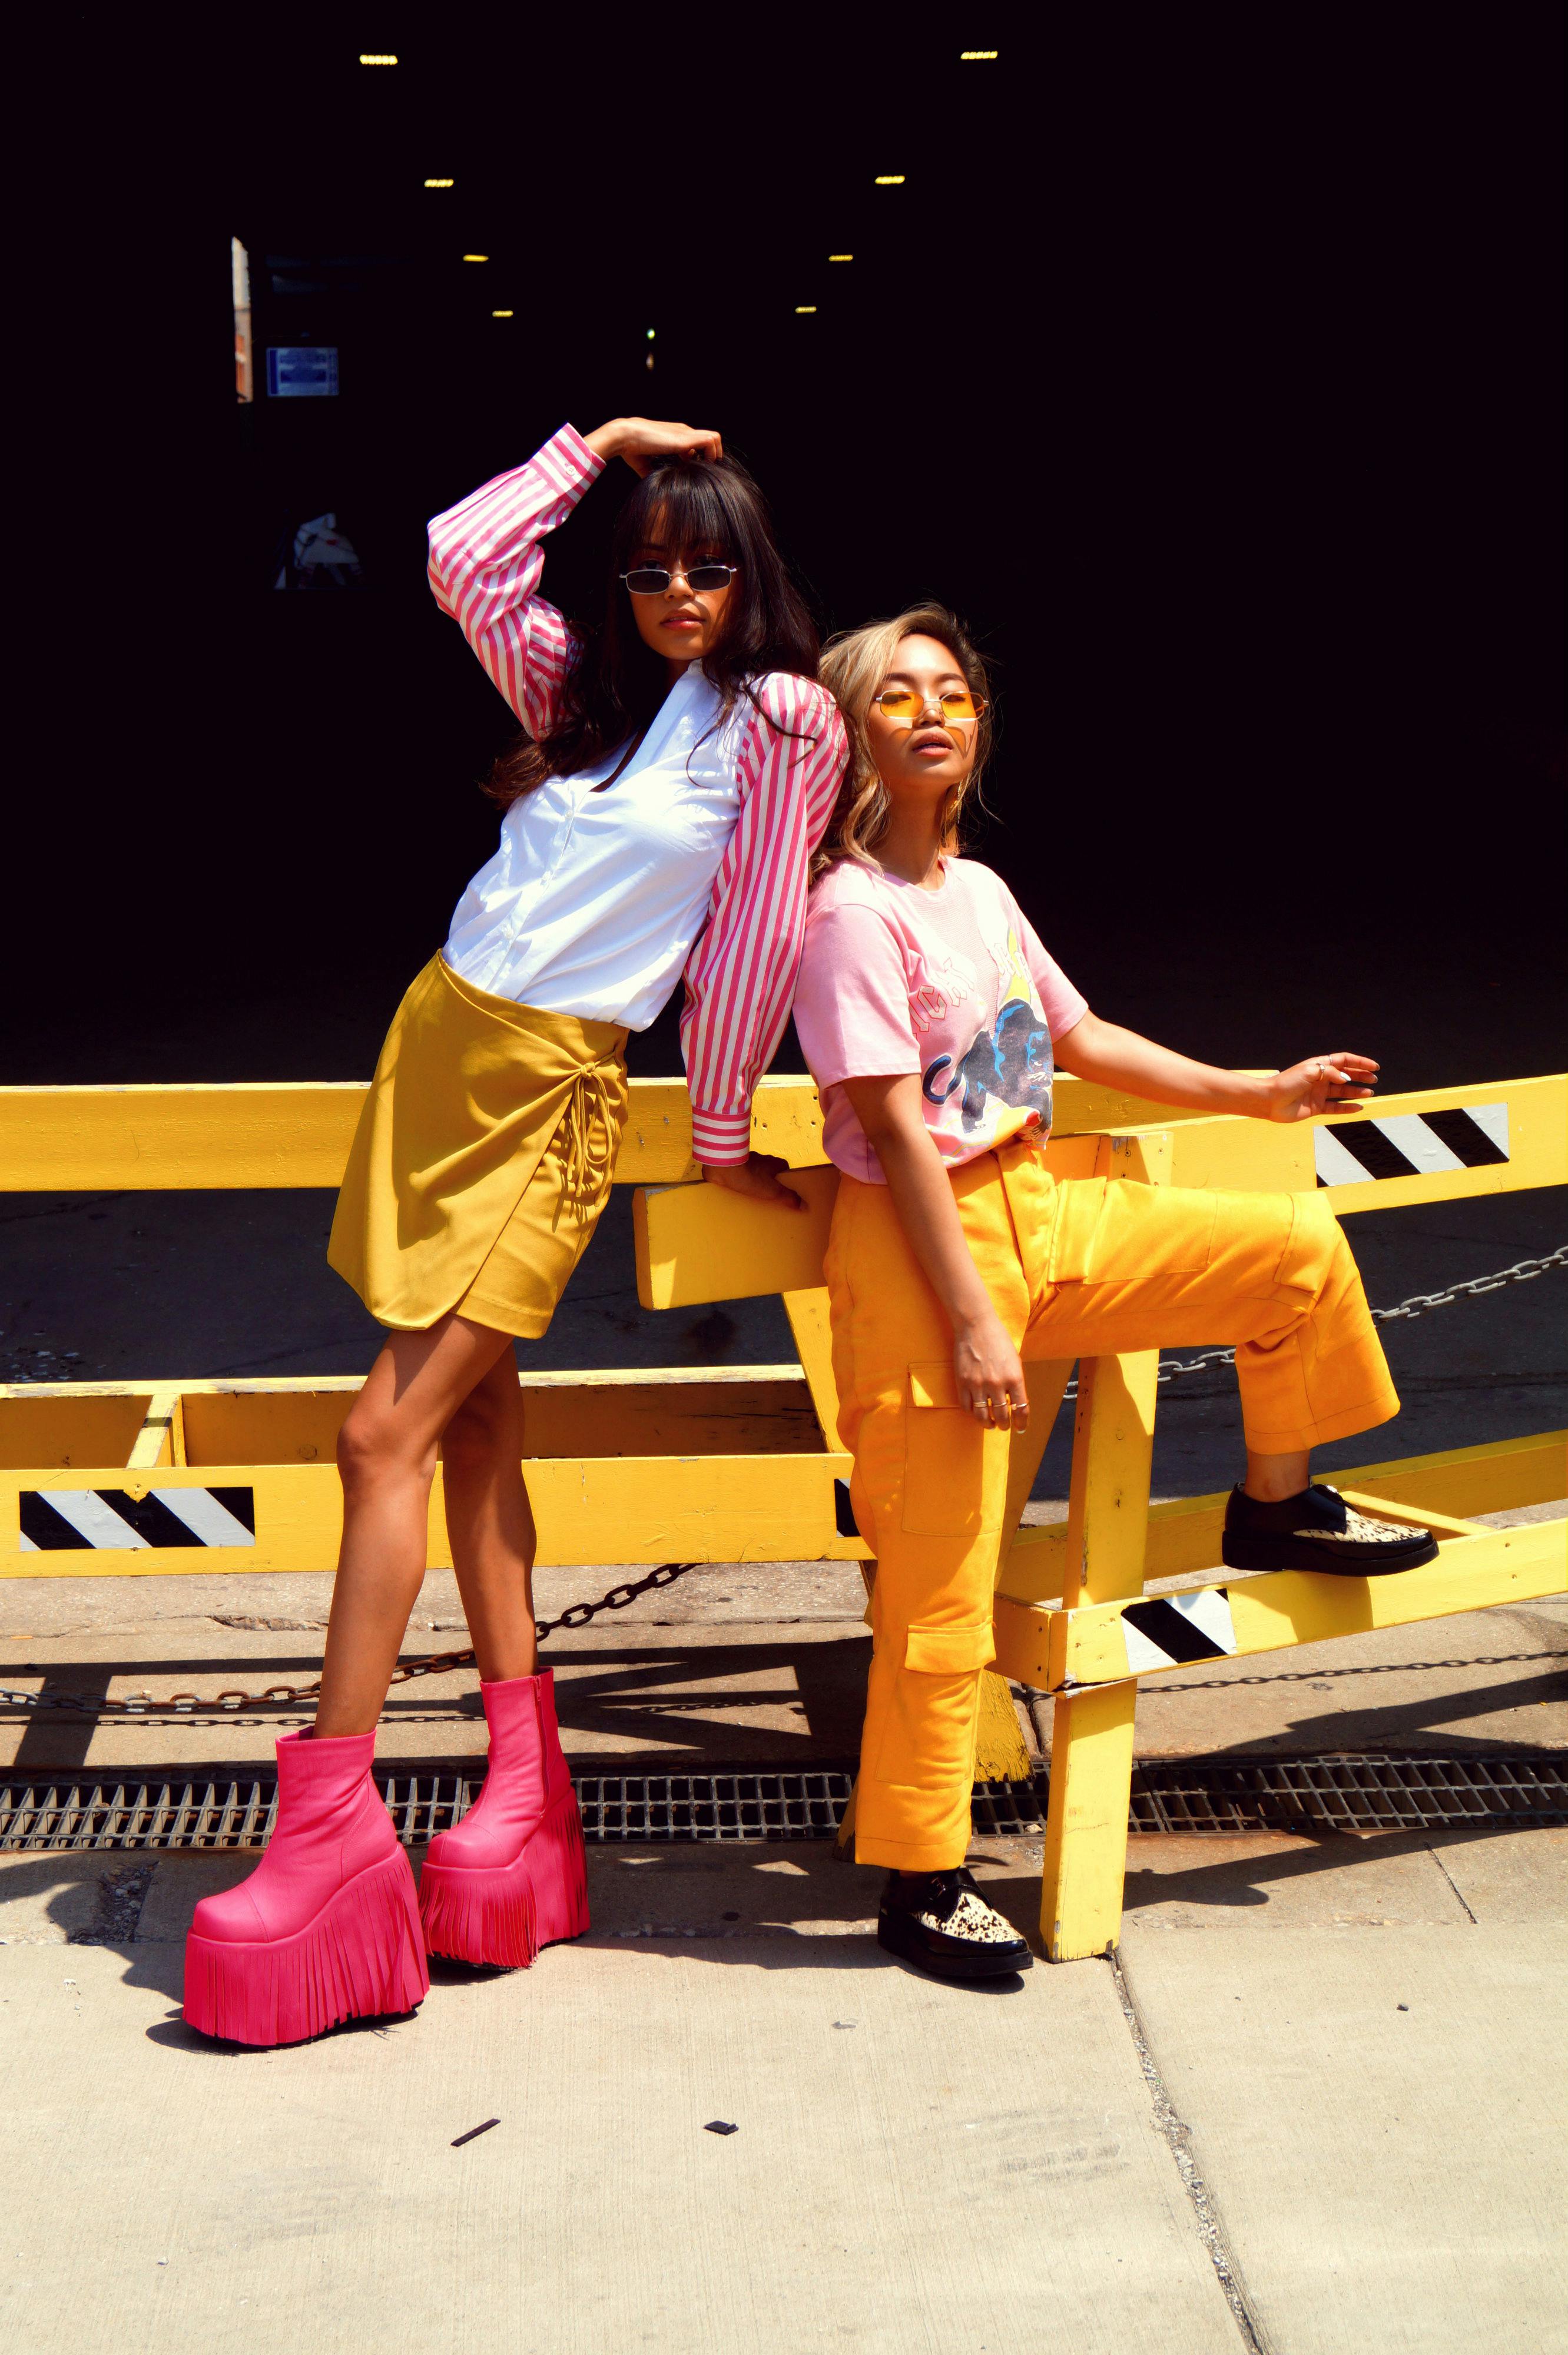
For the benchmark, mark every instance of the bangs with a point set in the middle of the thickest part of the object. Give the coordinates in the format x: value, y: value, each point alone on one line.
x: 683, y: 508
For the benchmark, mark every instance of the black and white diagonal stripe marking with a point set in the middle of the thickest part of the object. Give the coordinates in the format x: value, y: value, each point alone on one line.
x: 1169, y: 1630
x: 54, y: 1520
x: 1410, y: 1145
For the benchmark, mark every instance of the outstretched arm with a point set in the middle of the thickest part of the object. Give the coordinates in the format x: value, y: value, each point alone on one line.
x: 1104, y: 1051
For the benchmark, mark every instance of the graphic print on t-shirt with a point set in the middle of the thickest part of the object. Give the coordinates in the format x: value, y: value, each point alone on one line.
x: 1010, y: 1065
x: 934, y: 991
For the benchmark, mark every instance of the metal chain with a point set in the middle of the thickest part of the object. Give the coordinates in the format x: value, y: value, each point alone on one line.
x: 1523, y: 1271
x: 423, y: 1663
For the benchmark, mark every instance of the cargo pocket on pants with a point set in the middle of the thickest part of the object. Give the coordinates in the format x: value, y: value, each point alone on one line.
x: 929, y: 1730
x: 955, y: 1470
x: 1120, y: 1231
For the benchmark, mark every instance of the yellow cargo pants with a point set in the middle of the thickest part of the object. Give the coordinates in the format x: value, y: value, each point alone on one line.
x: 1080, y: 1267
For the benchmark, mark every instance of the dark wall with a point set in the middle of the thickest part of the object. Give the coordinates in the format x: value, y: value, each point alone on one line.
x: 1212, y: 367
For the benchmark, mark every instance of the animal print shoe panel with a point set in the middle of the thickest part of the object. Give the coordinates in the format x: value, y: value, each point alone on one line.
x: 969, y: 1918
x: 1359, y: 1528
x: 1318, y: 1530
x: 941, y: 1922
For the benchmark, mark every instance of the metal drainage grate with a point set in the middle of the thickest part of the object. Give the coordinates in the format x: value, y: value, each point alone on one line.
x: 749, y: 1805
x: 1202, y: 1795
x: 1347, y: 1794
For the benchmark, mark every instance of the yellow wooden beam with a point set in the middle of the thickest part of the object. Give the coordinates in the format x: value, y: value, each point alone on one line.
x: 1086, y: 1825
x: 161, y: 1439
x: 1091, y: 1734
x: 669, y: 1411
x: 1001, y: 1753
x: 810, y: 1326
x: 588, y: 1509
x: 59, y: 1428
x: 296, y: 1132
x: 1087, y: 1646
x: 1538, y: 1144
x: 1498, y: 1476
x: 702, y: 1242
x: 586, y: 1379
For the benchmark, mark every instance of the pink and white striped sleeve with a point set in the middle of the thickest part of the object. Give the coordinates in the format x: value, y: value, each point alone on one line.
x: 740, y: 974
x: 484, y: 564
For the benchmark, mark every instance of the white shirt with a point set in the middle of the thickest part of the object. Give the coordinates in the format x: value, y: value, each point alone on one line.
x: 780, y: 757
x: 592, y: 902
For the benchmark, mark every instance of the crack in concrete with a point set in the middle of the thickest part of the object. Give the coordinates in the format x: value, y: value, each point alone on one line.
x: 1177, y: 2136
x: 1448, y: 1877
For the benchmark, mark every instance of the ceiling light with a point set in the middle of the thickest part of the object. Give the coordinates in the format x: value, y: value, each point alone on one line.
x: 440, y: 183
x: 975, y: 56
x: 375, y: 57
x: 475, y: 257
x: 840, y: 257
x: 503, y: 314
x: 650, y: 335
x: 802, y: 309
x: 884, y: 180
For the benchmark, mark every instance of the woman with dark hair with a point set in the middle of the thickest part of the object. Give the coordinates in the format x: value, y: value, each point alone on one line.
x: 678, y: 768
x: 932, y: 1016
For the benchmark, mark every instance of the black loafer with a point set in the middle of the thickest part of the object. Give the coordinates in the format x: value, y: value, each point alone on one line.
x: 1318, y: 1530
x: 941, y: 1922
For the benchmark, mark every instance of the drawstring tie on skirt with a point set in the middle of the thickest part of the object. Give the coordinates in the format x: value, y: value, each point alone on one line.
x: 590, y: 1143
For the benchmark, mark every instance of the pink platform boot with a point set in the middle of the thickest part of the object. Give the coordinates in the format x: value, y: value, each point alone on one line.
x: 326, y: 1928
x: 511, y: 1877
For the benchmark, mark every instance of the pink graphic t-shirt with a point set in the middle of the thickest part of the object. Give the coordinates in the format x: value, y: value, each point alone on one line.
x: 953, y: 985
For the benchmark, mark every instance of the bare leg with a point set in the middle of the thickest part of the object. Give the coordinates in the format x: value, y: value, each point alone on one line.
x: 386, y: 1454
x: 1272, y: 1478
x: 489, y: 1523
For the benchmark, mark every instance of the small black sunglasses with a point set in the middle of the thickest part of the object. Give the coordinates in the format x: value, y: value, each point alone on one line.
x: 652, y: 580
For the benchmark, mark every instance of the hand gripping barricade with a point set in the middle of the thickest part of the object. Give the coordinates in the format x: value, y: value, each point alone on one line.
x: 744, y: 1463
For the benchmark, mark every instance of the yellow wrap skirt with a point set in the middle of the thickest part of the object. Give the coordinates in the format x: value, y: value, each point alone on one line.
x: 482, y: 1160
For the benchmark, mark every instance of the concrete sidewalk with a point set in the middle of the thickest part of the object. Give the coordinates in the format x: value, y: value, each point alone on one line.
x: 1315, y: 2107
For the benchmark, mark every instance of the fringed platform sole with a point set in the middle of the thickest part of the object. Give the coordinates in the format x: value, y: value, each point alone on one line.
x: 504, y: 1914
x: 361, y: 1959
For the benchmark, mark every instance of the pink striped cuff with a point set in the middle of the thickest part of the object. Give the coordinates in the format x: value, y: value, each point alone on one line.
x: 568, y: 448
x: 721, y: 1136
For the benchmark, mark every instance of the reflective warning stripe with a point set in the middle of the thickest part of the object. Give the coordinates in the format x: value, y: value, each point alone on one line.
x: 1410, y: 1145
x: 1169, y: 1630
x: 110, y: 1519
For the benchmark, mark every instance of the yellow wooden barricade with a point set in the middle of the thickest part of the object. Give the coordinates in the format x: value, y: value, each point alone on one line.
x: 1072, y: 1616
x: 745, y: 1463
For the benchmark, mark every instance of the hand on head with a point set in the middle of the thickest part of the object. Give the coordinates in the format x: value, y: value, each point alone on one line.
x: 643, y: 441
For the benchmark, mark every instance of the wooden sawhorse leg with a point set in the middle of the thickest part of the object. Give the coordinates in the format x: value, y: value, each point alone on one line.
x: 1092, y: 1732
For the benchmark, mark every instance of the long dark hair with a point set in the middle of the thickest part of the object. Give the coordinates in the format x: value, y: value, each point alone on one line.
x: 617, y: 683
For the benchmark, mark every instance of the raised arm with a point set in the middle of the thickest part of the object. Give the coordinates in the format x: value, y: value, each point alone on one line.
x: 1104, y: 1051
x: 485, y: 558
x: 741, y: 974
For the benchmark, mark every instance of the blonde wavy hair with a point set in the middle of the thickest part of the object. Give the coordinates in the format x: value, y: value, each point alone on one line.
x: 853, y: 667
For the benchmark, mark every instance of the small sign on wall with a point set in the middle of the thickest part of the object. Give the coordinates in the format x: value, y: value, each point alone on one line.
x: 302, y: 371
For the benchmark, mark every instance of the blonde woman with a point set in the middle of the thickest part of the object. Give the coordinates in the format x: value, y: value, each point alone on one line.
x: 932, y: 1018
